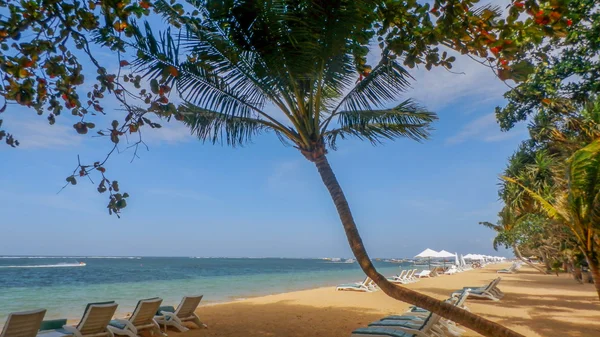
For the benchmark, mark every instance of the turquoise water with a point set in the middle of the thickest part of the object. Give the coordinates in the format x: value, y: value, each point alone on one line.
x: 64, y: 288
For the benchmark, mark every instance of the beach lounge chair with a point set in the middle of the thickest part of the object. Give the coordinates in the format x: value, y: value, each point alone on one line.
x: 458, y: 301
x: 424, y: 273
x: 451, y: 270
x: 491, y: 291
x: 400, y: 278
x: 23, y: 324
x: 513, y: 268
x: 411, y: 276
x: 142, y: 319
x: 365, y: 286
x: 185, y: 312
x: 94, y: 321
x: 413, y: 327
x: 404, y: 277
x: 419, y: 314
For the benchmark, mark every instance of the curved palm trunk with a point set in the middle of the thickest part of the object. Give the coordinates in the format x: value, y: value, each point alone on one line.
x: 576, y: 271
x: 546, y: 260
x: 596, y: 276
x: 594, y: 265
x: 460, y: 316
x: 518, y: 253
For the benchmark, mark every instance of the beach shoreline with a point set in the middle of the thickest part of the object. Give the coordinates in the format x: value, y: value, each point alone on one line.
x: 535, y: 305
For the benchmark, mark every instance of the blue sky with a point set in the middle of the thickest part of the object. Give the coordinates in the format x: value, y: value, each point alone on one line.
x: 190, y: 199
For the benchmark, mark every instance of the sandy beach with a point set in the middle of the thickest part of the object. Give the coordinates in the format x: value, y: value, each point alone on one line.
x: 534, y: 305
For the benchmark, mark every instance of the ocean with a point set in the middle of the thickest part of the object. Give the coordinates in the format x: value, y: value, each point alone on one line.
x: 64, y: 288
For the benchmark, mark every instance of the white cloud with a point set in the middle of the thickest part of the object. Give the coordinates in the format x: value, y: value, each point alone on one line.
x: 36, y: 133
x: 170, y: 133
x: 484, y: 129
x: 474, y: 84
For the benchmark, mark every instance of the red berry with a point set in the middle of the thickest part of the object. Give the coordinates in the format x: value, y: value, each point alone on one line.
x: 569, y: 22
x: 495, y: 50
x: 519, y: 4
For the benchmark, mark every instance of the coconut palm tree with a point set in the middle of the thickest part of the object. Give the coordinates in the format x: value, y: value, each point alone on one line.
x: 509, y: 229
x: 578, y: 205
x: 297, y: 69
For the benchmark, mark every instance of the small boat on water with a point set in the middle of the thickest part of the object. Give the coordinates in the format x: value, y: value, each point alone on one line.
x: 82, y: 264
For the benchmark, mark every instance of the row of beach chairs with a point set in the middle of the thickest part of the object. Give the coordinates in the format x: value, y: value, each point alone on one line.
x: 418, y: 322
x: 406, y: 276
x: 410, y: 276
x: 97, y: 320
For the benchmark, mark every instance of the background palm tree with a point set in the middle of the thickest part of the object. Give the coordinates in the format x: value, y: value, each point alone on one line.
x: 298, y: 69
x: 509, y: 230
x: 578, y: 206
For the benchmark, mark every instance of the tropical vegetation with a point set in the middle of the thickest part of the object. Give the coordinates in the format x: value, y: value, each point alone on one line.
x: 224, y: 67
x: 550, y: 185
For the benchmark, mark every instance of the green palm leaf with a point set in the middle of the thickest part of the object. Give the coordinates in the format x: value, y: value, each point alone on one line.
x: 584, y: 183
x: 405, y: 120
x: 383, y: 85
x: 551, y: 210
x: 219, y: 128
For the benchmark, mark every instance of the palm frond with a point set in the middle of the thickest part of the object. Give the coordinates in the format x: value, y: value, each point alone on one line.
x: 551, y: 210
x: 490, y: 225
x: 584, y: 182
x: 405, y: 120
x: 218, y: 128
x: 387, y: 80
x: 159, y: 59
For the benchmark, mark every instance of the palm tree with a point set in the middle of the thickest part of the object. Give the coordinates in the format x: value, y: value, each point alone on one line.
x: 578, y: 206
x: 508, y: 228
x: 290, y: 67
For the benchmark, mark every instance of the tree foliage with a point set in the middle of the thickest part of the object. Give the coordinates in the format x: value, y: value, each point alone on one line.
x: 48, y: 49
x: 551, y: 189
x: 566, y: 69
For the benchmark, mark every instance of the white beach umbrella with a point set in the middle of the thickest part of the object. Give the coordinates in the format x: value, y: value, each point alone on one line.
x: 444, y: 255
x: 456, y: 260
x: 462, y: 261
x: 427, y: 254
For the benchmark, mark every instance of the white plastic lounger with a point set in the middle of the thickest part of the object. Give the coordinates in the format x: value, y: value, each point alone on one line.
x: 411, y: 276
x: 491, y: 291
x: 400, y: 278
x: 424, y: 273
x: 95, y: 321
x: 403, y: 278
x: 452, y: 270
x: 185, y: 312
x: 142, y: 319
x: 513, y: 268
x: 365, y: 286
x: 23, y: 324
